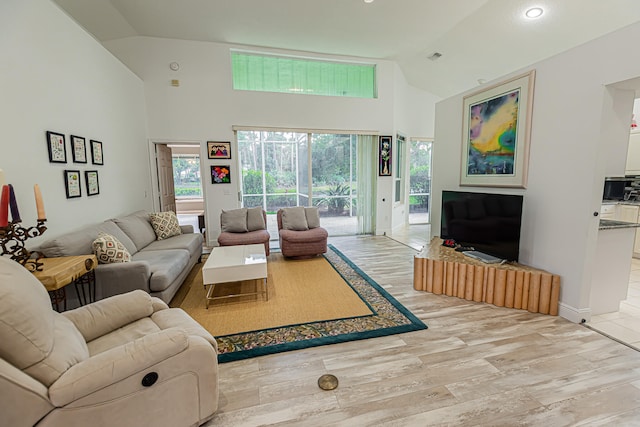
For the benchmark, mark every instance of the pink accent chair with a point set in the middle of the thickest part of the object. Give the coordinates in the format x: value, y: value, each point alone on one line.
x: 301, y: 243
x: 247, y: 231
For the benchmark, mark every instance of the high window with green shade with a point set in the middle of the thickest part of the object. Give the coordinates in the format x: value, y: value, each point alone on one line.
x: 267, y: 73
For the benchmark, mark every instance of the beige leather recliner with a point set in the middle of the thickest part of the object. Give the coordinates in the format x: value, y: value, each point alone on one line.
x: 128, y: 360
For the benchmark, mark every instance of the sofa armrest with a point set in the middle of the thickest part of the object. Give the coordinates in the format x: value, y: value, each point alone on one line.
x: 122, y: 277
x: 186, y: 229
x: 116, y: 364
x: 107, y: 315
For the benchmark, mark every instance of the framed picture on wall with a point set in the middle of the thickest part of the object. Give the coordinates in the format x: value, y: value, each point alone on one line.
x: 91, y: 181
x: 384, y: 155
x: 218, y: 150
x: 221, y: 174
x: 56, y: 147
x: 78, y: 149
x: 495, y: 137
x: 72, y: 184
x: 96, y: 153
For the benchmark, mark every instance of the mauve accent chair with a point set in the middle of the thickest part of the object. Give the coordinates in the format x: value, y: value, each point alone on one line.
x: 126, y: 360
x: 244, y: 226
x: 295, y: 240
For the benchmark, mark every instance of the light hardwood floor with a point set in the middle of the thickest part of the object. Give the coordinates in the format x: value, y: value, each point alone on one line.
x: 476, y: 365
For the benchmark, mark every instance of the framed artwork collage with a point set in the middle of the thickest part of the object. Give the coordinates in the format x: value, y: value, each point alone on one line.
x: 80, y: 153
x: 219, y: 150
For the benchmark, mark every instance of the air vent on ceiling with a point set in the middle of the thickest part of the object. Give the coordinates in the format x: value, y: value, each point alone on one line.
x: 434, y: 56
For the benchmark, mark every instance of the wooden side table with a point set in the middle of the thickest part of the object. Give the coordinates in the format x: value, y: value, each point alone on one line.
x: 59, y: 272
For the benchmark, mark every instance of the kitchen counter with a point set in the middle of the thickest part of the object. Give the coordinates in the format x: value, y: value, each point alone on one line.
x: 609, y: 224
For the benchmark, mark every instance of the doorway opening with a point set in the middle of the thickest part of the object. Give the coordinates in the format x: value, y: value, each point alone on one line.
x: 420, y: 151
x: 180, y: 184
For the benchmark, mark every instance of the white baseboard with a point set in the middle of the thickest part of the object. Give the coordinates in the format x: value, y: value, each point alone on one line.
x: 575, y: 315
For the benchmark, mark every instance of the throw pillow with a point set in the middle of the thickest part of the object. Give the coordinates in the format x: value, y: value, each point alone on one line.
x: 234, y: 221
x: 255, y: 220
x: 313, y: 217
x: 109, y: 250
x: 165, y: 224
x: 294, y: 219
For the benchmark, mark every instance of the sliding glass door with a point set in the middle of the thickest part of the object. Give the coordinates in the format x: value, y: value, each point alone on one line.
x: 282, y: 169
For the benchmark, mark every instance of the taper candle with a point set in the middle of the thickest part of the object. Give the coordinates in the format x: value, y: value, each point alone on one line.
x: 13, y: 205
x: 39, y: 203
x: 4, y: 206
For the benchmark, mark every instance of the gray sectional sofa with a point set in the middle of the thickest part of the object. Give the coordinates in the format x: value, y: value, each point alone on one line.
x: 157, y: 266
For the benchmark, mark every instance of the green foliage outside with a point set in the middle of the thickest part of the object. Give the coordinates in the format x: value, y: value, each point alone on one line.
x: 188, y: 191
x: 338, y: 199
x: 186, y: 176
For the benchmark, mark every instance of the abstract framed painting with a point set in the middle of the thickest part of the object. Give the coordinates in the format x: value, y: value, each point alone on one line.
x: 495, y: 137
x: 221, y: 174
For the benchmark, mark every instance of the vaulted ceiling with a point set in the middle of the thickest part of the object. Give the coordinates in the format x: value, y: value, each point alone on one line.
x: 478, y: 39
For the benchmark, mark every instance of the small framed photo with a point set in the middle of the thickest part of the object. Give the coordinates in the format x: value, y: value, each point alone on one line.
x: 72, y: 184
x: 57, y: 148
x: 96, y: 153
x: 91, y: 180
x: 221, y: 174
x: 78, y: 149
x: 218, y: 150
x: 384, y: 156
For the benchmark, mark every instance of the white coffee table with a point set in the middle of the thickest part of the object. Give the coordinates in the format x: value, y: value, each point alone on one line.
x: 228, y: 264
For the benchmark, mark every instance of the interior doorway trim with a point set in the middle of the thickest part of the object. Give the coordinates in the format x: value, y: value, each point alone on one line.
x: 155, y: 193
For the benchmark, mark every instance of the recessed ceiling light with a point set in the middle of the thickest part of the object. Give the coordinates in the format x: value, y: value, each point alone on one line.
x: 368, y: 1
x: 534, y: 12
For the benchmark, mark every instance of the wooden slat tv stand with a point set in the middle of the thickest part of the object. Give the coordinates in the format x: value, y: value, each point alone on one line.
x: 446, y: 272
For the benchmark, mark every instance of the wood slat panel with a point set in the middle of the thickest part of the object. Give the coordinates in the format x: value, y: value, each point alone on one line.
x: 510, y: 285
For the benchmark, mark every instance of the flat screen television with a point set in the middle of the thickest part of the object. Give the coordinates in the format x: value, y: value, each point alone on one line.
x: 490, y: 223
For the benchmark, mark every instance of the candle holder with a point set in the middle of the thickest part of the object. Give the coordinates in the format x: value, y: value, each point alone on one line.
x: 12, y: 242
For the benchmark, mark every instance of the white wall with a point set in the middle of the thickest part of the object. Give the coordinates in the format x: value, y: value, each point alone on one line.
x: 578, y: 132
x: 205, y: 107
x: 54, y: 76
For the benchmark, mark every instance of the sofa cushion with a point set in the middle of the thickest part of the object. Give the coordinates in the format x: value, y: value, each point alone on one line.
x: 165, y: 224
x: 294, y: 219
x: 311, y: 235
x: 255, y: 219
x: 191, y: 242
x: 138, y: 227
x: 165, y: 266
x: 234, y: 221
x: 36, y: 339
x: 80, y: 241
x: 312, y: 215
x: 108, y: 249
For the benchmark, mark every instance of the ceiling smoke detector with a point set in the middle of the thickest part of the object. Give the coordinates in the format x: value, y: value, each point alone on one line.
x: 434, y: 56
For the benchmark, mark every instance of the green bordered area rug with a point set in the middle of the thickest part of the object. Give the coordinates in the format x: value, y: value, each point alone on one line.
x: 389, y: 317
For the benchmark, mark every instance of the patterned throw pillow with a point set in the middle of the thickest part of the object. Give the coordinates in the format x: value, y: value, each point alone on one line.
x: 108, y: 249
x: 165, y: 224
